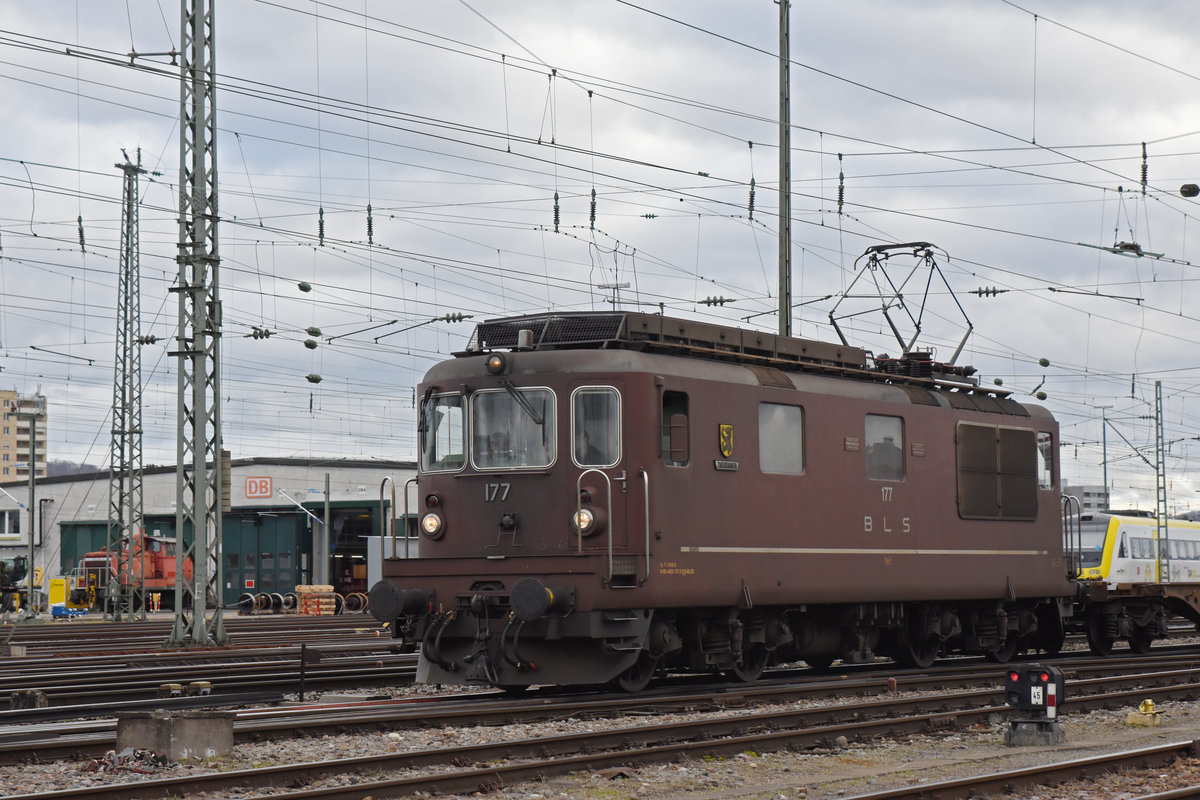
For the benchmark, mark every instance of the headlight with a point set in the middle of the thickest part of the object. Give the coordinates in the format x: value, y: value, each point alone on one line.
x: 433, y: 526
x: 584, y: 520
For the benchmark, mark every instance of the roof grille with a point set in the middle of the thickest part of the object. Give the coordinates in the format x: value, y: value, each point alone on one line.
x: 587, y: 330
x: 770, y: 376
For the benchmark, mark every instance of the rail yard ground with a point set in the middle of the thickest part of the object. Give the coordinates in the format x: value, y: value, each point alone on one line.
x: 839, y: 767
x: 840, y: 770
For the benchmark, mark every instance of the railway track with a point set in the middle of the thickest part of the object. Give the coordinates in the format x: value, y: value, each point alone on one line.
x: 79, y: 636
x: 503, y: 763
x: 78, y: 663
x: 1091, y: 676
x: 734, y: 730
x: 357, y: 658
x: 281, y: 670
x: 1007, y: 783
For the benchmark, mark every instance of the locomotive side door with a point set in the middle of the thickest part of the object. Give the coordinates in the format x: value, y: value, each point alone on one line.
x: 597, y: 446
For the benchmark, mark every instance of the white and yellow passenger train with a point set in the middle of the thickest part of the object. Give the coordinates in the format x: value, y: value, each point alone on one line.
x: 1123, y: 548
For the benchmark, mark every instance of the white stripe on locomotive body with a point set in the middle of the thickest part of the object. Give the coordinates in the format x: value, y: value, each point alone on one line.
x: 860, y: 551
x: 1122, y: 549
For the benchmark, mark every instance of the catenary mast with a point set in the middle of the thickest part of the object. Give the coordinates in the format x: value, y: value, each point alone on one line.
x: 125, y: 592
x: 785, y: 175
x: 199, y: 491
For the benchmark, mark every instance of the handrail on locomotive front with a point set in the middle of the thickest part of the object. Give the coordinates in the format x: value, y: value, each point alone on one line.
x: 1072, y: 535
x: 610, y: 520
x: 646, y: 502
x: 386, y: 520
x: 383, y: 518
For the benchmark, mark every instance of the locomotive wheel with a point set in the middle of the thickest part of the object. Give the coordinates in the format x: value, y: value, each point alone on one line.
x: 1099, y: 644
x: 919, y: 652
x: 751, y: 667
x: 638, y: 676
x: 1050, y: 634
x: 1013, y: 646
x: 1141, y: 640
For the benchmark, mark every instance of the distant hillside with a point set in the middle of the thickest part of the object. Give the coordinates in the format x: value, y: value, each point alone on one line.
x: 55, y: 468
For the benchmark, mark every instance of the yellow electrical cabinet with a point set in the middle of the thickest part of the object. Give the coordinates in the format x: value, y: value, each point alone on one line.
x: 58, y: 591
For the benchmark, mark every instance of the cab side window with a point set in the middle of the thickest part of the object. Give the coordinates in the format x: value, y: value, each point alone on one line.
x: 885, y: 447
x: 1045, y: 445
x: 675, y: 449
x: 595, y: 426
x: 780, y: 439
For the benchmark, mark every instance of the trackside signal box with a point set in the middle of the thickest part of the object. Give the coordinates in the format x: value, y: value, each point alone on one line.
x: 1037, y: 691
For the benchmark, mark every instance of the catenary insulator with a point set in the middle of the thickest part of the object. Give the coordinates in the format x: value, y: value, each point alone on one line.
x: 1145, y: 169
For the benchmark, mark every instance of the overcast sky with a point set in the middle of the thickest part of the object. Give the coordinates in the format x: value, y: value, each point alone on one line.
x: 1010, y: 135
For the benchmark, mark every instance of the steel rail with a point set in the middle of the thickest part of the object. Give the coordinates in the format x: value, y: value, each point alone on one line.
x: 558, y: 755
x: 800, y: 727
x: 1108, y: 690
x: 1054, y: 773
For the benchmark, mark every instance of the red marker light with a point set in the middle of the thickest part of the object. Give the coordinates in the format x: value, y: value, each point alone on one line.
x: 1045, y: 677
x: 1012, y: 676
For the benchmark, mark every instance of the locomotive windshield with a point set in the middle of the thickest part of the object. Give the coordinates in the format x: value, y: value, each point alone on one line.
x: 441, y: 431
x: 512, y: 428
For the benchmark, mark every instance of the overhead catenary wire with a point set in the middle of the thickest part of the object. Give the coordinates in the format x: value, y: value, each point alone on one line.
x: 333, y: 241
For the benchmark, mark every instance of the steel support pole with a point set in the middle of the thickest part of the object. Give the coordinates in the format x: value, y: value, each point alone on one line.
x: 199, y: 618
x: 124, y: 596
x: 785, y: 174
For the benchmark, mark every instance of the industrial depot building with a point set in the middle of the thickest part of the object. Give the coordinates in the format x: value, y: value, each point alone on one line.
x: 267, y: 536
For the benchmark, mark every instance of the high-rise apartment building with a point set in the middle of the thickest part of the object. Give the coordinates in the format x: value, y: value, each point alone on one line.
x: 22, y: 413
x: 1093, y: 498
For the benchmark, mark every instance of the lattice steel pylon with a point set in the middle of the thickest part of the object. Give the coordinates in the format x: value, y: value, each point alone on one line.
x: 199, y: 493
x: 125, y: 590
x: 1160, y: 489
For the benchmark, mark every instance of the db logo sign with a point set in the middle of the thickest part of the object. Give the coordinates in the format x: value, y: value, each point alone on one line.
x: 258, y: 488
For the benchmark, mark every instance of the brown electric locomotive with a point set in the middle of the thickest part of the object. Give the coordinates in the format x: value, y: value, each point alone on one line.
x: 606, y: 495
